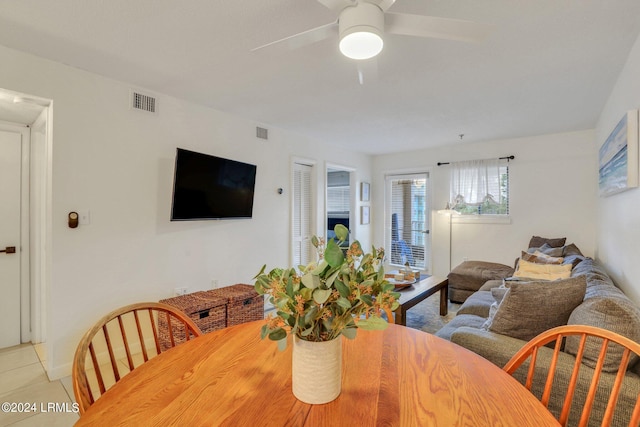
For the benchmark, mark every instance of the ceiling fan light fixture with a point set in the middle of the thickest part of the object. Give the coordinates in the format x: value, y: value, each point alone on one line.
x: 361, y: 45
x: 360, y: 29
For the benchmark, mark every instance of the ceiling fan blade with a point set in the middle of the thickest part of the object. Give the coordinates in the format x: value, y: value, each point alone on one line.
x: 336, y: 6
x: 304, y: 38
x: 382, y: 4
x: 431, y: 26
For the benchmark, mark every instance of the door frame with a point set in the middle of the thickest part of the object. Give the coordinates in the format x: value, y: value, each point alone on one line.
x: 353, y: 226
x: 35, y: 292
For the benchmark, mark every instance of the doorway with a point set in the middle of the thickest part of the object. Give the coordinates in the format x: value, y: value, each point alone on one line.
x: 14, y: 156
x: 25, y: 123
x: 407, y: 219
x: 339, y: 202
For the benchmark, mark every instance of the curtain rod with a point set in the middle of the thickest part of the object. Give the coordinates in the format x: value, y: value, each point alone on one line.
x: 507, y: 158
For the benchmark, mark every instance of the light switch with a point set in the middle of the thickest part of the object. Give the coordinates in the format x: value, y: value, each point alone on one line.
x: 85, y: 217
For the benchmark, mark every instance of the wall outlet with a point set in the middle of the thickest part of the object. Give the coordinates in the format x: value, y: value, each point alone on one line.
x: 181, y: 291
x: 465, y: 259
x: 215, y: 284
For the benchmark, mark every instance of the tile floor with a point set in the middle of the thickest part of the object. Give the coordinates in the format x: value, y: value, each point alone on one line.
x: 23, y: 380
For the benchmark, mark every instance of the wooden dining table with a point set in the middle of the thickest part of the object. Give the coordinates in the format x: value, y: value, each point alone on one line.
x: 396, y: 377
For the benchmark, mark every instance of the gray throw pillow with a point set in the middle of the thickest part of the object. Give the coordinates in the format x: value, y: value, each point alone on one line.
x: 551, y: 251
x: 529, y: 308
x: 537, y: 241
x: 618, y: 315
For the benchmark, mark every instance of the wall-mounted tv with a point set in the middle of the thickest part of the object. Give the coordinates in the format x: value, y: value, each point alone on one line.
x: 210, y: 187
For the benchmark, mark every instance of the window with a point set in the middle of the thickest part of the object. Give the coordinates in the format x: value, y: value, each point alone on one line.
x: 480, y: 187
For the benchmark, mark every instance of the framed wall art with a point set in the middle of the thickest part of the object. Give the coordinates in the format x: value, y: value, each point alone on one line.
x: 364, y: 215
x: 364, y: 192
x: 618, y: 157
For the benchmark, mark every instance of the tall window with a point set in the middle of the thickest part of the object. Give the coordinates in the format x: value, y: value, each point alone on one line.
x: 406, y: 220
x: 480, y: 187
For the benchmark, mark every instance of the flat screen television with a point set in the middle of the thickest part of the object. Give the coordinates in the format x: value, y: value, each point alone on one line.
x: 209, y: 187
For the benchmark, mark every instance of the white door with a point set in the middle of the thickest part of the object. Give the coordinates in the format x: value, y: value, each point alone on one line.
x: 407, y: 237
x: 302, y: 221
x: 10, y: 202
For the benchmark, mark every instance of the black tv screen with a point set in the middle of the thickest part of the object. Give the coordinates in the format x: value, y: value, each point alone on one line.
x: 210, y: 187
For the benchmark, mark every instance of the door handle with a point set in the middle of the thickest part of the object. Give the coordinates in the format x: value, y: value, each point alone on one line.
x: 9, y: 250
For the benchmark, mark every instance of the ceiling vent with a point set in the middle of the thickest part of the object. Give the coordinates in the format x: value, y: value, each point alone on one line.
x: 143, y: 102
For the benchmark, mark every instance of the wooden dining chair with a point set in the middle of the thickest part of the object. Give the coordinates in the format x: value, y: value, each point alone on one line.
x: 534, y: 354
x: 123, y: 340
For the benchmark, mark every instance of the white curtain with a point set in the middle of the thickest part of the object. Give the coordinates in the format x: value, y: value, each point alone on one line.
x: 475, y: 181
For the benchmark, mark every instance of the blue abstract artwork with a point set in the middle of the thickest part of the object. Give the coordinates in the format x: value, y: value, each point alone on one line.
x: 618, y: 157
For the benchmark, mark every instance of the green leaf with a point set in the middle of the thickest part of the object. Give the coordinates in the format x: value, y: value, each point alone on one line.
x: 342, y: 232
x: 277, y: 334
x: 342, y: 288
x: 264, y: 267
x: 344, y: 303
x: 366, y: 299
x: 315, y: 241
x: 306, y: 332
x: 332, y: 278
x: 321, y: 295
x: 264, y: 331
x: 306, y: 293
x: 333, y: 254
x: 349, y: 333
x: 320, y: 268
x: 373, y: 323
x: 311, y: 280
x: 309, y: 317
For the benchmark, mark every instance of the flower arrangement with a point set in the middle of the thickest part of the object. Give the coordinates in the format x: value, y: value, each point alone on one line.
x: 328, y: 298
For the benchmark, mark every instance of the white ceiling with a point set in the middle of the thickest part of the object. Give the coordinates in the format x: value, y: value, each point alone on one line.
x: 548, y: 65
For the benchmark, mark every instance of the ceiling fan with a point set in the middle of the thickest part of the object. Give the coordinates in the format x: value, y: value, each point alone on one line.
x: 361, y: 26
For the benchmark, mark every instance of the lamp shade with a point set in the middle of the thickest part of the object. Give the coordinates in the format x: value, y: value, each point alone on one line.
x: 360, y: 29
x: 448, y: 210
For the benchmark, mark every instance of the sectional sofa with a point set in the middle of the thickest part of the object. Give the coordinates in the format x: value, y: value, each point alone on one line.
x: 499, y: 318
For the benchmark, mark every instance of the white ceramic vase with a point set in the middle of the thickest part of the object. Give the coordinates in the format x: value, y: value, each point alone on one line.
x: 317, y: 370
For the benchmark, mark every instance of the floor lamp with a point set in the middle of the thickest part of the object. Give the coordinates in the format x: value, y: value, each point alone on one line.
x: 449, y: 211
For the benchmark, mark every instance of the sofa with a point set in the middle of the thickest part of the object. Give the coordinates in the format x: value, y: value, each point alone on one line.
x: 498, y: 319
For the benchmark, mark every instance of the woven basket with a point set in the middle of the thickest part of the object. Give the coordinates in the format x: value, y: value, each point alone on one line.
x: 243, y: 303
x: 209, y: 313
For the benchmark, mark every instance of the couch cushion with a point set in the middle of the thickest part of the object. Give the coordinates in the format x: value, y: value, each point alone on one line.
x: 532, y: 270
x: 537, y: 241
x: 529, y: 308
x: 477, y: 304
x: 489, y: 284
x: 618, y: 315
x: 460, y: 320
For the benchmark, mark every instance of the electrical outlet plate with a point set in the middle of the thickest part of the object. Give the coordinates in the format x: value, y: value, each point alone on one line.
x: 214, y: 284
x: 181, y: 291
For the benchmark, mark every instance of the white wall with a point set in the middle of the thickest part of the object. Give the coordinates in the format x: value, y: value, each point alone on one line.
x: 618, y: 238
x: 553, y: 186
x: 118, y: 164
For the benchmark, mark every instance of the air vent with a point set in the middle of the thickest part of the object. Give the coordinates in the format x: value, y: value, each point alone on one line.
x: 262, y: 133
x: 143, y: 102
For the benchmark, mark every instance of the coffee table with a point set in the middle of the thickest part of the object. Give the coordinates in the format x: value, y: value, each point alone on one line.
x: 419, y: 292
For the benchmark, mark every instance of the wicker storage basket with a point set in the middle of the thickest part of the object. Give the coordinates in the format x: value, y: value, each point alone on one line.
x: 243, y: 303
x: 208, y: 312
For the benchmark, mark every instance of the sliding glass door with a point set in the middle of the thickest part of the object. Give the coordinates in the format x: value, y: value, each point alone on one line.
x: 407, y: 238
